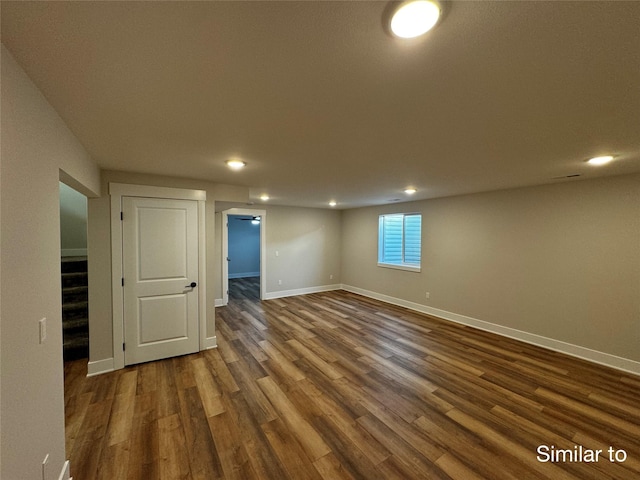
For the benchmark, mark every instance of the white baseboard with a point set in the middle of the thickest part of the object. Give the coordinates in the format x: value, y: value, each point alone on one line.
x: 105, y: 366
x: 211, y: 342
x: 100, y: 366
x: 219, y: 302
x: 73, y: 252
x: 301, y: 291
x: 244, y: 275
x: 65, y: 474
x: 595, y: 356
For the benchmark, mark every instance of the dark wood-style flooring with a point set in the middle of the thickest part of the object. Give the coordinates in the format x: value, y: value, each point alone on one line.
x: 336, y: 386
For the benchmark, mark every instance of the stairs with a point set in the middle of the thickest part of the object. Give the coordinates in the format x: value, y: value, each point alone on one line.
x: 75, y: 308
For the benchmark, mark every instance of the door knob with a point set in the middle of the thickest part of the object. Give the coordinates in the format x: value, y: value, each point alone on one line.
x: 191, y: 285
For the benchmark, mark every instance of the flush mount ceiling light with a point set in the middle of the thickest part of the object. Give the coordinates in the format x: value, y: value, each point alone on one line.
x: 410, y: 190
x: 600, y: 160
x: 414, y: 18
x: 235, y: 164
x: 264, y: 197
x: 332, y: 203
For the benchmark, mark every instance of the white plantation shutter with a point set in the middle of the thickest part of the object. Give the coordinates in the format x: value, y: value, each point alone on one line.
x: 392, y: 238
x: 412, y: 239
x: 399, y: 240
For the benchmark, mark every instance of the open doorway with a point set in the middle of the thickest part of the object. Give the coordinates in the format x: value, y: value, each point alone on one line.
x: 243, y: 254
x: 74, y: 277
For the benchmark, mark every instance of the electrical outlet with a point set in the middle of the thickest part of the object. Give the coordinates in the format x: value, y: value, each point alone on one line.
x: 427, y: 294
x: 279, y: 282
x: 331, y: 277
x: 42, y: 326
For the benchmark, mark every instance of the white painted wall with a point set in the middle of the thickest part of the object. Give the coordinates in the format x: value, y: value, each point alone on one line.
x: 37, y: 150
x: 303, y: 249
x: 560, y: 261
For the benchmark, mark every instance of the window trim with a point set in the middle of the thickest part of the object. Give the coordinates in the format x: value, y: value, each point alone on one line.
x: 395, y: 266
x: 398, y: 266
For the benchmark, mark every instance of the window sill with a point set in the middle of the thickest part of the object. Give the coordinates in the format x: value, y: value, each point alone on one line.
x: 407, y: 268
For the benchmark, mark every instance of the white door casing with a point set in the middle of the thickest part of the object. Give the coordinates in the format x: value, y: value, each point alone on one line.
x: 117, y: 193
x: 160, y: 264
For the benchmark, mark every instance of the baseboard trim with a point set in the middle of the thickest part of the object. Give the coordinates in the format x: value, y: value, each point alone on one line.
x: 595, y: 356
x: 100, y: 366
x: 105, y: 366
x: 301, y: 291
x: 65, y: 473
x: 219, y: 302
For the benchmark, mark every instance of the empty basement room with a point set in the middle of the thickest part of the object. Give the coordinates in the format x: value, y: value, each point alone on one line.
x: 323, y: 242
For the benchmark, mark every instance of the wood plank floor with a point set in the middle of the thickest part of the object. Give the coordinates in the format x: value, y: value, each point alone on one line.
x: 338, y: 386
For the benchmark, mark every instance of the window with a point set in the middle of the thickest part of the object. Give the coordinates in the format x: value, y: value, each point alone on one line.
x: 399, y: 241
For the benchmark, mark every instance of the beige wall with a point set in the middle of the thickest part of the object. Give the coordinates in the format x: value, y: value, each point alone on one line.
x: 561, y: 261
x: 36, y: 146
x: 309, y: 249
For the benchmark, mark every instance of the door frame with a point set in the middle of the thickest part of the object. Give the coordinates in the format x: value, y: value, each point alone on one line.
x: 116, y: 192
x: 225, y: 249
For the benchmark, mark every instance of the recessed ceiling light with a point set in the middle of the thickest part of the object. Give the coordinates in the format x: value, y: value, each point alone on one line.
x: 410, y: 190
x: 414, y: 18
x: 235, y: 164
x: 600, y: 160
x: 264, y: 197
x: 332, y: 203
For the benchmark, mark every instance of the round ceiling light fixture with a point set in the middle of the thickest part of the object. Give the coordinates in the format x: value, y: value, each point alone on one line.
x: 414, y: 18
x: 600, y: 160
x: 235, y: 164
x: 410, y: 190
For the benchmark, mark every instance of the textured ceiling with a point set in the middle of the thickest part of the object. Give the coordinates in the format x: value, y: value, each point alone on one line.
x: 322, y: 103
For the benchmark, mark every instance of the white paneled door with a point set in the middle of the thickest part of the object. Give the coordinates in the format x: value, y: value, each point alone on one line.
x: 160, y: 266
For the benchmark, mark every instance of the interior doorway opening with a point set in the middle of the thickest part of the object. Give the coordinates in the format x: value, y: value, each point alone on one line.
x: 243, y: 247
x: 244, y: 256
x: 74, y: 273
